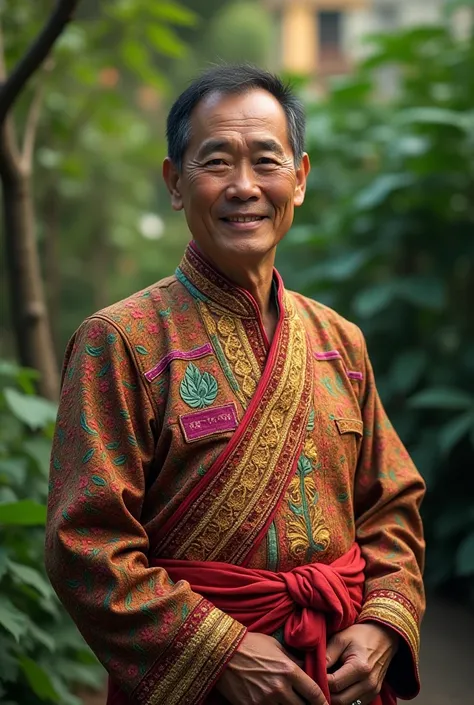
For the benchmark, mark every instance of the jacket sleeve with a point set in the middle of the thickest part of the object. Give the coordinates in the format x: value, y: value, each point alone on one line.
x: 388, y: 493
x: 159, y: 641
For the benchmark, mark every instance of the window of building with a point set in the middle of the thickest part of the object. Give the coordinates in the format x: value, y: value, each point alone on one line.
x: 330, y: 43
x: 387, y: 16
x: 330, y: 29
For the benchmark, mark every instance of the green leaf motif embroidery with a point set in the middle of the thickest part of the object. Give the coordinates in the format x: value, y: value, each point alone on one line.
x: 94, y: 352
x: 98, y: 481
x: 105, y: 369
x: 304, y: 466
x: 140, y: 349
x: 86, y: 426
x: 198, y: 389
x: 88, y: 455
x: 310, y: 426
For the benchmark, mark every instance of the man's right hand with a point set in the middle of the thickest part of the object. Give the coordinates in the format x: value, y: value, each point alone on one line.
x: 261, y: 673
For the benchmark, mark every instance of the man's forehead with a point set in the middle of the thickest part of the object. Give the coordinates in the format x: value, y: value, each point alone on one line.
x: 255, y: 114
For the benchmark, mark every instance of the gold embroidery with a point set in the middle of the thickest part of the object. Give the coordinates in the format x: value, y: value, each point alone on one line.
x: 392, y: 610
x: 239, y: 354
x: 306, y: 529
x: 350, y: 426
x: 238, y: 363
x: 254, y: 468
x: 203, y: 654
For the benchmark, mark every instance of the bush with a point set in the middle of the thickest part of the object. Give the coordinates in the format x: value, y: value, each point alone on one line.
x: 41, y: 653
x: 386, y: 237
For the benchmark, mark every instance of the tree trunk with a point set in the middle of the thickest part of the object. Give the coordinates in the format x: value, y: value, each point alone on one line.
x: 27, y: 301
x: 51, y: 263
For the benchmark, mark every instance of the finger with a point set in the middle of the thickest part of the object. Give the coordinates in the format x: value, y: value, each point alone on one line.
x: 334, y: 650
x: 290, y: 698
x: 350, y: 673
x: 352, y: 695
x: 307, y: 688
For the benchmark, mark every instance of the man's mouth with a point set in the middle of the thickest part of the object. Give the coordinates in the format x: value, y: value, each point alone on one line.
x: 244, y: 218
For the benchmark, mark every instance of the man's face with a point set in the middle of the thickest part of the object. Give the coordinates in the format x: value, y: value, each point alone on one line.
x: 239, y: 183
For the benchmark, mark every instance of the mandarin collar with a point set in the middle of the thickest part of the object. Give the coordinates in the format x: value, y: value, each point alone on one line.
x: 207, y: 283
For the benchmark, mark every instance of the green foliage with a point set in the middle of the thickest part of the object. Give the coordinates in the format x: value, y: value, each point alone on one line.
x: 386, y: 238
x: 100, y: 145
x: 241, y: 31
x: 42, y: 656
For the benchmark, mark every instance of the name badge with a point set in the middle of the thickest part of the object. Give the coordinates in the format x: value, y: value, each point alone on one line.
x: 208, y: 422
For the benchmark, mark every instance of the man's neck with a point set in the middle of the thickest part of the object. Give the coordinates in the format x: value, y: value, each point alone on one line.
x: 257, y: 279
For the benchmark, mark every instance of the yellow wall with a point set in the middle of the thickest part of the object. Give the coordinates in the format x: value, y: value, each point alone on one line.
x: 299, y: 37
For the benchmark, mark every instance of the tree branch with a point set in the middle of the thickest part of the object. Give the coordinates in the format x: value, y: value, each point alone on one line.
x: 31, y: 128
x: 9, y: 152
x: 38, y: 51
x: 3, y: 65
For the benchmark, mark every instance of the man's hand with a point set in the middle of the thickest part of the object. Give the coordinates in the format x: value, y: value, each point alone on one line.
x: 365, y: 651
x: 261, y: 673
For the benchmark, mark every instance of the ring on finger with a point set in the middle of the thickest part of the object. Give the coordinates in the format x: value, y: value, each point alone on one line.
x: 357, y: 702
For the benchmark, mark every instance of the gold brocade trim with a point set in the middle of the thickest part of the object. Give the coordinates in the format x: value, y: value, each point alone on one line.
x: 196, y: 662
x: 239, y: 354
x: 392, y: 608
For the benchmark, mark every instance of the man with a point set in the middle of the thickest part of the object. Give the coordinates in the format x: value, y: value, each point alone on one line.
x: 232, y: 518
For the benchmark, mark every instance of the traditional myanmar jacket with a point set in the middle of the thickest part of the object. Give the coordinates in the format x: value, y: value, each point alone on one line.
x: 182, y: 433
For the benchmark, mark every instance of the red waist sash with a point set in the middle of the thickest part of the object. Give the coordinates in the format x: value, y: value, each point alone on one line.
x: 310, y: 603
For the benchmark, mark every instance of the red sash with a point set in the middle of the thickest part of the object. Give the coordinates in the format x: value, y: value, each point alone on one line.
x: 310, y: 603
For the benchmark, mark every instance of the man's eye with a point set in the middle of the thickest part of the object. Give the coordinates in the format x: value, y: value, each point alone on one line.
x: 267, y: 160
x: 215, y: 162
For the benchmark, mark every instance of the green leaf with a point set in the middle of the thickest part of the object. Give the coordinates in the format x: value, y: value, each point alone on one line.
x: 3, y: 562
x: 434, y: 116
x: 41, y: 636
x: 407, y: 370
x: 26, y: 512
x: 14, y: 469
x: 380, y: 189
x: 165, y: 41
x: 374, y: 299
x: 30, y: 576
x: 33, y: 411
x: 465, y: 556
x: 174, y: 13
x: 39, y: 449
x: 424, y: 292
x: 38, y: 679
x: 454, y: 431
x: 442, y: 398
x: 12, y: 619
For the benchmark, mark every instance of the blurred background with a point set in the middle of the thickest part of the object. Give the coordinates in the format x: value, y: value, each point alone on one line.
x: 386, y: 236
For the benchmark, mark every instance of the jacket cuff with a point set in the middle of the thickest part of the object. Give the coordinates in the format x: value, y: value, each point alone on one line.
x: 393, y: 610
x: 194, y: 659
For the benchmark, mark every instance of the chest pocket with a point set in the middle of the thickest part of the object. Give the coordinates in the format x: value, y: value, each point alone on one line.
x: 351, y: 432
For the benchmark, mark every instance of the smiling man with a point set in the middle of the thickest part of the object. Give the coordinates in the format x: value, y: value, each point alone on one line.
x: 232, y: 518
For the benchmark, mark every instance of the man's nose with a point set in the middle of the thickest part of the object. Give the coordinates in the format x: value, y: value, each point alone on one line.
x: 243, y: 184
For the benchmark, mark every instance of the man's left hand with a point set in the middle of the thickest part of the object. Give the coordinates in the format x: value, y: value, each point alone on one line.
x: 364, y: 651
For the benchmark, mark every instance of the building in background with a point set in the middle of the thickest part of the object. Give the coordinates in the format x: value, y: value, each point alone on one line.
x: 325, y: 37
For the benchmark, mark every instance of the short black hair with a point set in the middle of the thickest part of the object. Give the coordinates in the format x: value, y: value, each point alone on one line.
x: 233, y: 79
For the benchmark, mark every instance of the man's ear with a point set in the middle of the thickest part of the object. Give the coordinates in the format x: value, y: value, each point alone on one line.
x: 302, y: 172
x: 172, y: 180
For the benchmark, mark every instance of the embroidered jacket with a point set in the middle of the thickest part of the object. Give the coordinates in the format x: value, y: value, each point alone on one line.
x: 155, y: 389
